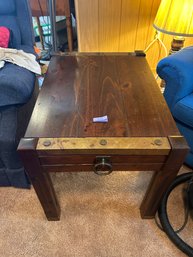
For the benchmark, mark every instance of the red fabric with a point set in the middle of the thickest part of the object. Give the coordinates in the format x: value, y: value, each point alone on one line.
x: 4, y: 37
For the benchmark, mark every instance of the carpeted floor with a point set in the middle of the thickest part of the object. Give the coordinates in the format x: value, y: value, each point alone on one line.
x: 100, y: 218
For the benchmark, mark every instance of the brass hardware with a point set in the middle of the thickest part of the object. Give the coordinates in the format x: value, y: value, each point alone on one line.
x: 158, y: 142
x: 114, y: 145
x: 47, y: 143
x: 103, y: 165
x: 103, y: 142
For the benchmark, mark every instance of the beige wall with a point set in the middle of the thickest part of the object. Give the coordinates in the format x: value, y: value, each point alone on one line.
x: 119, y: 26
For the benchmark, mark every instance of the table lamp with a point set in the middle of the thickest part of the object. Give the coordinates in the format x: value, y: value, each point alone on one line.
x: 175, y: 17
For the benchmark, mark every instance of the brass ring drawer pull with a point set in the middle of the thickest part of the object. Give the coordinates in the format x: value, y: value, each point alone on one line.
x: 103, y: 166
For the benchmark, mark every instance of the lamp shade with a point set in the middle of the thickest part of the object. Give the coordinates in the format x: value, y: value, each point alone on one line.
x: 175, y: 17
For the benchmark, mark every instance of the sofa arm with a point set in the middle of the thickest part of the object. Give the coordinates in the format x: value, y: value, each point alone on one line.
x: 27, y: 48
x: 177, y: 71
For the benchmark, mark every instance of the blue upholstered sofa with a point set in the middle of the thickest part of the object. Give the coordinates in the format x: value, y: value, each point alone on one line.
x: 17, y: 95
x: 177, y: 71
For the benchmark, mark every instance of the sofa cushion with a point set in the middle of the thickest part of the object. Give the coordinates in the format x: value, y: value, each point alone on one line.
x: 27, y: 49
x: 12, y: 24
x: 16, y: 85
x: 4, y: 36
x: 7, y: 7
x: 183, y: 110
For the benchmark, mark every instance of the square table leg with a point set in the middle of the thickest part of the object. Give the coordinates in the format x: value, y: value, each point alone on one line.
x: 158, y: 185
x: 40, y: 179
x: 163, y: 178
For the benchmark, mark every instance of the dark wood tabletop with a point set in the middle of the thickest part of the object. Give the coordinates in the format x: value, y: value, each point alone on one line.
x: 140, y: 133
x: 80, y: 87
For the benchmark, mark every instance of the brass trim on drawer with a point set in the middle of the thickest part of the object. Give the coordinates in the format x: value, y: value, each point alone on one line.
x: 113, y: 145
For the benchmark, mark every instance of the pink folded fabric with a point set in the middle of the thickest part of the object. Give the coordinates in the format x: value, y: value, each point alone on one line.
x: 4, y: 37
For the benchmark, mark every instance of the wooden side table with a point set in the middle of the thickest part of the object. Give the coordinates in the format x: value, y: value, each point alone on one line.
x: 140, y: 133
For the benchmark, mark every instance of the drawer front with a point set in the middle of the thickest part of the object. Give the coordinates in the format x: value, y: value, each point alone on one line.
x: 115, y: 167
x: 90, y: 159
x: 102, y: 154
x: 91, y: 162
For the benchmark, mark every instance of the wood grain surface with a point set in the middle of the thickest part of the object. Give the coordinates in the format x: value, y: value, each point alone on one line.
x: 91, y: 12
x: 81, y: 87
x: 123, y: 25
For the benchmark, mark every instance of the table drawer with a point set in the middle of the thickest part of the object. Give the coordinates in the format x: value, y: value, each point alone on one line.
x: 101, y: 163
x: 90, y: 159
x: 84, y: 154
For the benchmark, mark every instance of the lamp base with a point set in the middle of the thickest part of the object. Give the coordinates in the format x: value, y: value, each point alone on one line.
x: 176, y: 44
